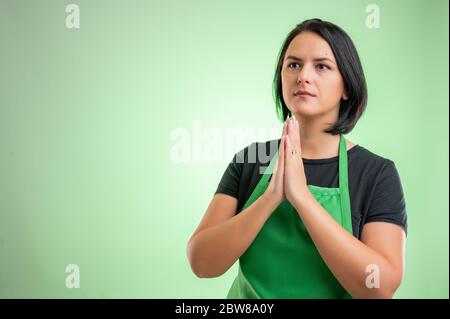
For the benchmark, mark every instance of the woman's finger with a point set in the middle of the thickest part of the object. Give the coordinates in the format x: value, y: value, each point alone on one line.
x: 281, y: 148
x: 275, y: 169
x: 285, y: 128
x: 277, y: 163
x: 281, y: 157
x: 289, y: 126
x: 288, y: 148
x: 296, y: 135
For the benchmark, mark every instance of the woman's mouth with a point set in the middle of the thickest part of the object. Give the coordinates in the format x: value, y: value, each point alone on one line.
x: 302, y: 93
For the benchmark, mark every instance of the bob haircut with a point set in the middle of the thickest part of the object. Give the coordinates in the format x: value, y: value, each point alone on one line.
x: 349, y: 65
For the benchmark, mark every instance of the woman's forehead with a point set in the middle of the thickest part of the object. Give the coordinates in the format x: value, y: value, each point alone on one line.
x: 308, y: 45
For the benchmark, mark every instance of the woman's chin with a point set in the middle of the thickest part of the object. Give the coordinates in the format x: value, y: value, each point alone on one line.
x: 306, y: 109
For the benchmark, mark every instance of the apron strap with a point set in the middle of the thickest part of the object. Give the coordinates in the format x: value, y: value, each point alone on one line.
x: 343, y: 185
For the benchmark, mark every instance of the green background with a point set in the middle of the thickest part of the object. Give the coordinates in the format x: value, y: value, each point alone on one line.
x: 86, y: 116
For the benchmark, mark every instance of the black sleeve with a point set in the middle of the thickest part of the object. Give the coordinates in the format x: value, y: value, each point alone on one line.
x: 229, y: 184
x: 388, y: 202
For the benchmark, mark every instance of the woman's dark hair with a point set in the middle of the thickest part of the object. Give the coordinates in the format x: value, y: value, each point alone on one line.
x: 349, y: 65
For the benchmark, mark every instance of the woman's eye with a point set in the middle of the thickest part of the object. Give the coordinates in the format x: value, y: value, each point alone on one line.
x: 295, y: 65
x: 323, y: 66
x: 292, y: 65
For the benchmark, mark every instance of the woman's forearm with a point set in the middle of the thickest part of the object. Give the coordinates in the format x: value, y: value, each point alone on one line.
x: 347, y: 257
x: 214, y: 250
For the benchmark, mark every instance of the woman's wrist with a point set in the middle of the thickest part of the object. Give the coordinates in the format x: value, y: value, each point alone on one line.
x: 303, y: 199
x: 270, y: 201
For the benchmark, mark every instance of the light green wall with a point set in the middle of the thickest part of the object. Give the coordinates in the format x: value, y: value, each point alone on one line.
x: 86, y: 115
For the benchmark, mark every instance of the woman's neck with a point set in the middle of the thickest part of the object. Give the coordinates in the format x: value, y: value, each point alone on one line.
x: 315, y: 143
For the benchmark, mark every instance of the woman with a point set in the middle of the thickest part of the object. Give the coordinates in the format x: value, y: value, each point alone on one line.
x: 329, y: 221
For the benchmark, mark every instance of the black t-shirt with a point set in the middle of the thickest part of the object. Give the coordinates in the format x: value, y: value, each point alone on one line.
x: 376, y: 193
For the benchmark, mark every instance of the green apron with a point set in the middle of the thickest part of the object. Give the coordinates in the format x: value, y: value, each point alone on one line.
x: 282, y: 261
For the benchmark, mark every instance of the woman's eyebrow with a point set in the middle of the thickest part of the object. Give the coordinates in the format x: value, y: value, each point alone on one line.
x: 316, y: 59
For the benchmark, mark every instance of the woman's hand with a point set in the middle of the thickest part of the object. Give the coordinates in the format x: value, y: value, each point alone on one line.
x: 275, y: 191
x: 295, y: 185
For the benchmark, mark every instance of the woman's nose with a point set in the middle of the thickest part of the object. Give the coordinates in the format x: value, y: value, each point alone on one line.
x: 304, y: 75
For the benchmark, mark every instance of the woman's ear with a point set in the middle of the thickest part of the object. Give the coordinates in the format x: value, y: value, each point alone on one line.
x: 345, y: 96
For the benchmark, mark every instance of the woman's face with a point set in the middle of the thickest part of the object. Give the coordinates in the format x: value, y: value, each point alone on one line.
x: 309, y: 66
